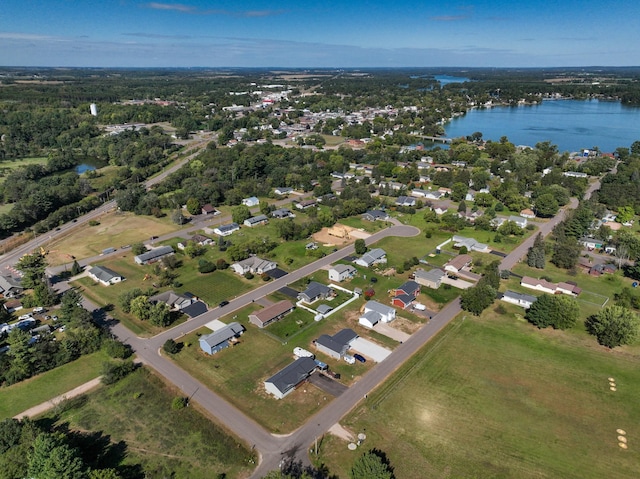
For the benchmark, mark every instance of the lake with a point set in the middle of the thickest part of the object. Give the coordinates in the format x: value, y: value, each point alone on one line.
x: 571, y: 124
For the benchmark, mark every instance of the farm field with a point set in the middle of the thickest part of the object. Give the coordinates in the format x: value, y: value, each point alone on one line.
x: 182, y: 444
x: 495, y: 397
x: 26, y: 394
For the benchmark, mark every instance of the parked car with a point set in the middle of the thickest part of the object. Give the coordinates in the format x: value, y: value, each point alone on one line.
x: 38, y: 309
x: 359, y: 358
x: 223, y: 303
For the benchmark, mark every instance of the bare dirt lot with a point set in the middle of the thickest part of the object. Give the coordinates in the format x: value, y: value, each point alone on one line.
x: 324, y: 237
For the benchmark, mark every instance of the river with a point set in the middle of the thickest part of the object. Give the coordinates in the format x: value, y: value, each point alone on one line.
x: 573, y: 125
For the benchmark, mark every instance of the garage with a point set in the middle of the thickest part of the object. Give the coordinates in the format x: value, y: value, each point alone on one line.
x: 369, y: 349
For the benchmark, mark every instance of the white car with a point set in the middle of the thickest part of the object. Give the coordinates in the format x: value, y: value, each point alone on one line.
x: 39, y: 309
x: 25, y: 316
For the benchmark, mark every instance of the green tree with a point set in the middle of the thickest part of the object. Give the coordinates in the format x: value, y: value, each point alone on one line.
x: 177, y: 217
x: 371, y: 465
x: 140, y: 307
x: 32, y: 267
x: 566, y: 252
x: 536, y: 254
x: 193, y: 206
x: 75, y: 268
x: 138, y: 248
x: 614, y: 326
x: 52, y: 458
x: 360, y: 246
x: 265, y: 207
x: 558, y: 311
x: 240, y: 213
x: 625, y: 214
x: 171, y: 347
x: 104, y: 474
x: 475, y: 300
x: 458, y: 191
x: 546, y: 206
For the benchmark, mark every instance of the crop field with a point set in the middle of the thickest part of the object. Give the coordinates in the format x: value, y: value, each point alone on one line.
x: 495, y: 397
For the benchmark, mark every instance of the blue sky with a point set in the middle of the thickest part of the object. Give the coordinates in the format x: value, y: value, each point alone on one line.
x: 326, y: 33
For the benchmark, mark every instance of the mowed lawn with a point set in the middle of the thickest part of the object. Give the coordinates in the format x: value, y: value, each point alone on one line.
x: 166, y: 442
x: 26, y: 394
x: 115, y: 230
x: 493, y: 397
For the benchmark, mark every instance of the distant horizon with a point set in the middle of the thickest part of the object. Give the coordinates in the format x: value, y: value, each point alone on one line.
x: 329, y: 34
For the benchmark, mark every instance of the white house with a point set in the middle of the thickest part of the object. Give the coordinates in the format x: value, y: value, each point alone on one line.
x: 375, y: 256
x: 519, y: 299
x: 283, y: 191
x: 251, y: 201
x: 226, y: 230
x: 469, y: 243
x: 104, y: 276
x: 519, y: 220
x: 253, y: 265
x: 341, y: 272
x: 387, y: 313
x: 538, y: 284
x: 256, y: 220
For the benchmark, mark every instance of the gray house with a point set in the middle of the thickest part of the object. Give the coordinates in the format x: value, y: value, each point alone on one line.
x: 104, y: 275
x: 337, y: 345
x: 285, y: 381
x: 375, y: 256
x: 430, y: 279
x: 175, y: 301
x: 10, y: 286
x: 154, y: 255
x: 221, y: 339
x: 375, y: 215
x: 314, y: 292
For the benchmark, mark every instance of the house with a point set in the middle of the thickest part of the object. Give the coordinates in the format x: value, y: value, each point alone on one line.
x: 256, y: 220
x: 221, y: 339
x: 469, y: 243
x: 519, y: 220
x: 13, y: 305
x: 527, y: 213
x: 538, y: 284
x: 201, y: 240
x: 575, y: 174
x: 599, y: 269
x: 427, y: 194
x: 591, y: 243
x: 457, y: 263
x: 405, y: 201
x: 208, y: 209
x: 341, y: 272
x: 375, y: 215
x: 314, y: 292
x: 282, y: 191
x: 10, y: 286
x: 104, y: 276
x: 226, y: 230
x: 568, y: 288
x: 251, y: 201
x: 337, y: 345
x: 519, y: 299
x: 387, y: 313
x: 410, y: 288
x: 175, y: 301
x: 286, y: 380
x: 253, y: 265
x: 154, y: 255
x: 430, y: 279
x: 440, y: 211
x: 303, y: 205
x: 375, y: 256
x: 403, y: 300
x: 271, y: 314
x: 282, y: 213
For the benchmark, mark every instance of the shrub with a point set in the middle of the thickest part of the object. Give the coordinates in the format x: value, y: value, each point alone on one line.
x: 248, y: 275
x: 112, y: 372
x: 205, y: 266
x: 179, y: 403
x: 94, y: 223
x: 171, y: 347
x: 117, y: 350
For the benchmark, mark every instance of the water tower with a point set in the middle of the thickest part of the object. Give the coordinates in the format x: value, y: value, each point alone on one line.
x: 94, y: 109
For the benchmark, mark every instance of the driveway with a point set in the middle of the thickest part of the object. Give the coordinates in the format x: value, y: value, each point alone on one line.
x: 327, y: 384
x: 391, y: 332
x: 369, y: 349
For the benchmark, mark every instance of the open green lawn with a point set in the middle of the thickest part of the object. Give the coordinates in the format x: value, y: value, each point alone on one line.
x: 495, y: 397
x: 26, y: 394
x: 166, y: 442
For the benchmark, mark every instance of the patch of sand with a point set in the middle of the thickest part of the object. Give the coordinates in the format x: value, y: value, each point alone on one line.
x: 340, y: 235
x: 341, y: 432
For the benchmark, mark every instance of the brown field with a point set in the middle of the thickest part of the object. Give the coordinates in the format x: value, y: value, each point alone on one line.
x: 114, y: 230
x: 323, y: 237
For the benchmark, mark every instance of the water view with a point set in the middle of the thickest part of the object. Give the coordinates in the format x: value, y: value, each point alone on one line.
x: 571, y: 124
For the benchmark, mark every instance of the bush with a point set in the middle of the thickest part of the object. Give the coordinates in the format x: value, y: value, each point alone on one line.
x: 117, y: 350
x: 463, y: 250
x: 179, y: 403
x: 205, y: 266
x: 171, y: 347
x: 265, y: 277
x: 112, y: 372
x: 94, y: 223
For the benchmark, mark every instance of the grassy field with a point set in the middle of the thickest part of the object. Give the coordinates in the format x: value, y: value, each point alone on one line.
x: 114, y: 230
x: 166, y: 442
x: 26, y: 394
x: 9, y: 165
x: 493, y: 397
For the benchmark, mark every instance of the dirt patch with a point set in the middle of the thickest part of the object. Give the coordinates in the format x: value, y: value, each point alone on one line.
x: 341, y: 432
x: 405, y: 325
x: 338, y: 234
